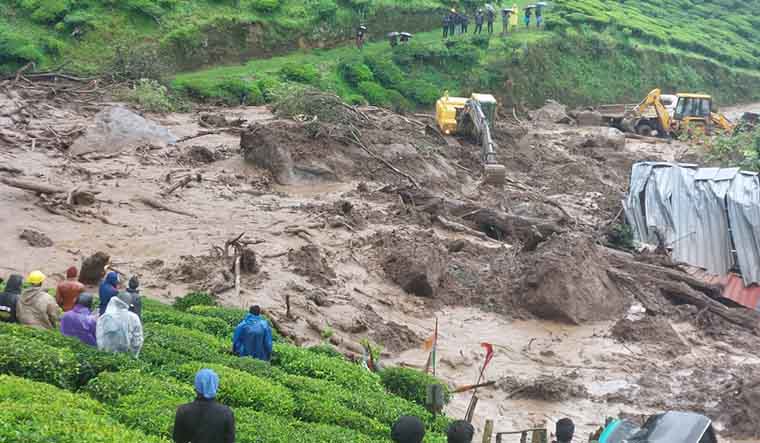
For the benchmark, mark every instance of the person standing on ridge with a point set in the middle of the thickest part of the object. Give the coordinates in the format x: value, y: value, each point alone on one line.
x: 108, y: 289
x: 445, y: 23
x: 479, y: 21
x: 67, y: 292
x: 464, y: 20
x: 528, y: 12
x: 80, y: 322
x: 36, y: 307
x: 9, y: 298
x: 453, y: 20
x: 204, y: 420
x: 539, y: 14
x: 253, y: 336
x: 489, y: 18
x: 361, y: 32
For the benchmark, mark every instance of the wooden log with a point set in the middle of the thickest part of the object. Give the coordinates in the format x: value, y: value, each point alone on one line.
x: 30, y: 186
x: 160, y: 206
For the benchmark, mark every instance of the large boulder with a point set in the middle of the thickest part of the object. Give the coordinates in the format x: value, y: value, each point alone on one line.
x: 416, y: 263
x: 117, y: 129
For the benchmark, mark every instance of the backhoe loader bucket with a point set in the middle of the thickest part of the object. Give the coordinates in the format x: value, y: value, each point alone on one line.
x: 494, y: 174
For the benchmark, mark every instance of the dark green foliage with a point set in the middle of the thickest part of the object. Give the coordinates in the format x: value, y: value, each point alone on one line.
x: 300, y: 361
x: 16, y: 50
x: 191, y: 299
x: 231, y: 316
x: 410, y: 384
x: 302, y: 73
x: 261, y: 5
x: 354, y: 71
x: 228, y: 90
x: 172, y: 345
x: 420, y: 91
x: 209, y: 325
x: 33, y: 359
x: 328, y: 350
x: 109, y: 387
x: 740, y: 149
x: 374, y: 93
x: 620, y: 236
x: 385, y: 71
x: 32, y: 412
x: 242, y: 389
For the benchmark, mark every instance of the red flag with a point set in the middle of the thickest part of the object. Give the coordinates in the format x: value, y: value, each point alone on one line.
x: 489, y: 353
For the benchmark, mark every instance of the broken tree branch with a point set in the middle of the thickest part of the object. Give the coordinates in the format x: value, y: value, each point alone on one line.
x: 155, y: 204
x: 30, y: 186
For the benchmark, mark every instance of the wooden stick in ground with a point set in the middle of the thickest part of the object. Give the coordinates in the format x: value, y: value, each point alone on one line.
x: 488, y: 431
x: 237, y: 281
x: 160, y: 206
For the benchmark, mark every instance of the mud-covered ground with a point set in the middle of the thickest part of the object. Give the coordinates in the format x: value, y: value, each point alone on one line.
x: 361, y: 250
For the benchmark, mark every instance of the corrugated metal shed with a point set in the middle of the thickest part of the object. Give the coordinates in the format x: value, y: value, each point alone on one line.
x: 697, y: 212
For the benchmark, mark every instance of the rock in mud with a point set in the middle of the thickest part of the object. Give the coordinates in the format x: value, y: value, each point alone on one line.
x: 116, y: 129
x: 309, y: 262
x: 551, y: 112
x: 589, y: 118
x: 607, y: 138
x: 36, y: 239
x: 416, y: 264
x: 200, y: 154
x: 94, y: 268
x: 545, y: 387
x: 565, y: 279
x: 649, y: 330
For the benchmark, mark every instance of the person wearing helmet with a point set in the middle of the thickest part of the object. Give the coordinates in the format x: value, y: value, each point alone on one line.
x: 479, y: 17
x: 36, y: 307
x: 68, y: 291
x: 9, y: 298
x: 408, y: 429
x: 79, y: 322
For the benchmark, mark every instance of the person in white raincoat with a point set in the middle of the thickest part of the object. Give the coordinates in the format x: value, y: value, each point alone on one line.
x: 118, y: 329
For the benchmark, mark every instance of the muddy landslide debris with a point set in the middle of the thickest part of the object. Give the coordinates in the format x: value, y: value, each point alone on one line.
x: 565, y: 279
x: 36, y: 239
x: 416, y: 263
x: 544, y: 387
x: 309, y: 262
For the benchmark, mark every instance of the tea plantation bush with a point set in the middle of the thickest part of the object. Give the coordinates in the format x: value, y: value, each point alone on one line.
x: 305, y: 395
x: 32, y: 412
x: 410, y: 384
x: 187, y: 301
x: 231, y: 316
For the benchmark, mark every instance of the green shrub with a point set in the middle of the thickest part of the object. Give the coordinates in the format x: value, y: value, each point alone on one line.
x: 227, y: 90
x: 256, y: 427
x: 151, y: 96
x: 256, y: 367
x: 241, y: 389
x: 328, y: 350
x: 191, y: 299
x: 209, y: 325
x: 410, y: 384
x: 231, y: 316
x: 302, y: 73
x: 420, y: 91
x: 32, y: 412
x: 262, y: 5
x: 324, y: 409
x: 300, y: 361
x: 399, y: 103
x: 171, y: 345
x: 35, y: 360
x: 354, y: 72
x: 16, y: 50
x: 268, y: 87
x: 109, y: 387
x: 152, y: 414
x: 375, y: 94
x: 385, y: 71
x: 620, y: 236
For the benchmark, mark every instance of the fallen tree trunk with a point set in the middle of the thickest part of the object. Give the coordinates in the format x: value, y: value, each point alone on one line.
x: 158, y: 205
x: 31, y: 186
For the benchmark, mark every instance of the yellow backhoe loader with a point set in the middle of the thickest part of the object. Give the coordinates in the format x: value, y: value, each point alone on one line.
x: 691, y: 111
x: 474, y: 117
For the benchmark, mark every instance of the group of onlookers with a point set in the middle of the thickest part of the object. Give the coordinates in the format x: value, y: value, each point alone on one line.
x: 456, y: 22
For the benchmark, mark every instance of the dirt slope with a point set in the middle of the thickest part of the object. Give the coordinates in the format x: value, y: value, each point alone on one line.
x: 360, y: 251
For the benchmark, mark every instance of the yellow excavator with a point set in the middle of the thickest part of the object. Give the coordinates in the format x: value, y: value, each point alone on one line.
x: 473, y: 117
x: 691, y: 110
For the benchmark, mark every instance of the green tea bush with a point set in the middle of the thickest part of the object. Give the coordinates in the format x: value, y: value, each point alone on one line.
x: 231, y: 316
x: 225, y: 90
x: 191, y: 299
x: 209, y: 325
x: 256, y: 367
x: 91, y: 360
x: 375, y: 94
x: 241, y: 389
x: 256, y: 427
x: 300, y: 361
x: 170, y: 345
x: 32, y: 412
x: 46, y: 11
x: 410, y: 384
x: 354, y: 71
x: 109, y: 387
x: 322, y: 409
x: 152, y: 414
x: 328, y: 350
x: 151, y: 96
x: 385, y: 71
x: 302, y: 73
x: 261, y: 5
x: 35, y: 360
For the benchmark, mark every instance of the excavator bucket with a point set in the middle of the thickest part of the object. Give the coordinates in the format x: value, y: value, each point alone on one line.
x: 494, y: 174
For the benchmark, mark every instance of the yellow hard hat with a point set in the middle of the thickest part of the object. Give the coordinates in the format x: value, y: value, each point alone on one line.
x: 35, y: 278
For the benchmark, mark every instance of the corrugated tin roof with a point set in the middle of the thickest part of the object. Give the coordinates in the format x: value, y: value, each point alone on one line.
x: 733, y: 287
x: 697, y: 212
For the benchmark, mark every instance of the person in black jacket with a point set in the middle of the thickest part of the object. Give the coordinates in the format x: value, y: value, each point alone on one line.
x: 408, y: 429
x: 460, y: 431
x: 9, y: 298
x: 204, y: 420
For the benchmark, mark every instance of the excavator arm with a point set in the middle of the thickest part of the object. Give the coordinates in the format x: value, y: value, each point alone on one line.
x: 722, y: 122
x: 473, y: 120
x: 653, y: 100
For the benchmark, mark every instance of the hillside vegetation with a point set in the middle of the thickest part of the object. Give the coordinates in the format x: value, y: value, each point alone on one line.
x: 305, y: 395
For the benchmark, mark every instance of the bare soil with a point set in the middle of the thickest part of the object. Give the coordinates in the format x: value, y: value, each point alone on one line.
x: 377, y: 236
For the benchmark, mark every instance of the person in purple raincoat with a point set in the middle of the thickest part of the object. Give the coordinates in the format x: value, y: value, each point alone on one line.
x: 80, y: 322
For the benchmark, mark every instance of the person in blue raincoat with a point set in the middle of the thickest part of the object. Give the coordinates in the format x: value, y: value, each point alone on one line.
x: 108, y: 289
x: 253, y: 336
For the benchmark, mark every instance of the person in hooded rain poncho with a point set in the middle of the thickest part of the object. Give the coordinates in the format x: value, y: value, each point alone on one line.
x: 408, y: 429
x: 9, y: 298
x: 253, y: 336
x: 204, y: 420
x: 108, y: 289
x: 79, y: 322
x: 119, y: 330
